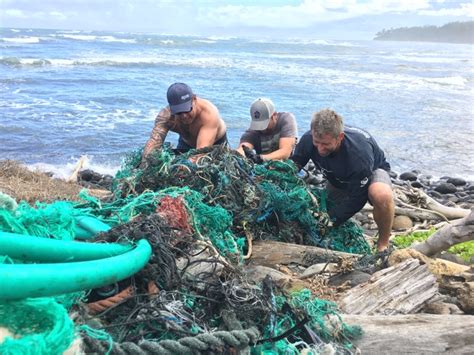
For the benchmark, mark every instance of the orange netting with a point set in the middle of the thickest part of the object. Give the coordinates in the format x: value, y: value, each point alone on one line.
x: 173, y: 212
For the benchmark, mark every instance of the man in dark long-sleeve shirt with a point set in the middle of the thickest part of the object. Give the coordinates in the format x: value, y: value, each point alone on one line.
x: 355, y: 168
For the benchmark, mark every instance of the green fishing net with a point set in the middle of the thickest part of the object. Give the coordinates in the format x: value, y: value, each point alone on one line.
x: 36, y: 326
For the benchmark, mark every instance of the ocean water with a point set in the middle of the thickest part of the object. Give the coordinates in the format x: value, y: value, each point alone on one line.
x: 65, y: 94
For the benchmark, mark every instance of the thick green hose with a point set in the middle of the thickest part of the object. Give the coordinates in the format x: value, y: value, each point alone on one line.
x: 27, y: 248
x: 39, y: 280
x: 88, y: 227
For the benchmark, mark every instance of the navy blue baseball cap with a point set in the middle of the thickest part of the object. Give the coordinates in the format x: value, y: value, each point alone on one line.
x: 180, y: 98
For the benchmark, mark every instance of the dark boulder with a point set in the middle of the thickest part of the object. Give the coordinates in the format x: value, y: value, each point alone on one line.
x: 89, y: 176
x: 435, y: 194
x: 353, y: 278
x: 446, y: 188
x: 408, y: 176
x: 417, y: 184
x: 456, y: 181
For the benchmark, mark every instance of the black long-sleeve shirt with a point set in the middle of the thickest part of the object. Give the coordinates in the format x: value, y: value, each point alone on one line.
x: 349, y: 168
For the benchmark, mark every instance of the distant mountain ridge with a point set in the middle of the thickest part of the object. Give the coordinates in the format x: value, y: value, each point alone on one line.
x: 454, y: 32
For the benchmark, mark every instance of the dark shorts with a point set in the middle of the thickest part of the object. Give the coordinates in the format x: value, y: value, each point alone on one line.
x: 183, y: 147
x: 338, y: 195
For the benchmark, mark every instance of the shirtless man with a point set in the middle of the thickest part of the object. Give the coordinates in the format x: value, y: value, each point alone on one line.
x: 196, y: 120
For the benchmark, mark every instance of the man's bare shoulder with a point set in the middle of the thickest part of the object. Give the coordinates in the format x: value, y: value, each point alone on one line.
x: 164, y: 117
x: 164, y: 113
x: 209, y: 111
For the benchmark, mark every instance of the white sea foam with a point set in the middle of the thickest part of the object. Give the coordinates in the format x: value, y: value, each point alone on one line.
x: 69, y: 31
x: 114, y: 39
x: 221, y: 38
x: 450, y: 80
x: 82, y: 37
x: 64, y: 171
x: 203, y: 62
x: 21, y: 40
x: 205, y: 41
x: 167, y: 41
x: 79, y: 37
x: 14, y: 30
x: 323, y: 42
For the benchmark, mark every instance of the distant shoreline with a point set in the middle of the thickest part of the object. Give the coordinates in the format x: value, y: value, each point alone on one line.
x: 454, y: 32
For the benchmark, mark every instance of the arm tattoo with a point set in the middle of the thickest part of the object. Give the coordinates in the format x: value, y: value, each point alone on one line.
x: 158, y: 134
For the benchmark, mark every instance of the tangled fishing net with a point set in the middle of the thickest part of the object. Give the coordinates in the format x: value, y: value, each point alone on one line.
x: 197, y: 210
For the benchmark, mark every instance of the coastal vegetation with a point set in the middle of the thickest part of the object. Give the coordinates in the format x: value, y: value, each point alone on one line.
x: 454, y: 32
x: 463, y: 250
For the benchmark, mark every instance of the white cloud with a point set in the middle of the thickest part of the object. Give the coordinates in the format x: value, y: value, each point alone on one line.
x: 58, y: 15
x: 466, y: 9
x: 192, y: 16
x: 15, y: 13
x: 304, y: 14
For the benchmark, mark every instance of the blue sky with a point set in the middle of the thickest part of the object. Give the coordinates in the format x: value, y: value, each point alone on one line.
x: 339, y: 19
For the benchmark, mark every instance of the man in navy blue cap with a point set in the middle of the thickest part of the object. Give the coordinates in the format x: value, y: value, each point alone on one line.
x: 196, y: 120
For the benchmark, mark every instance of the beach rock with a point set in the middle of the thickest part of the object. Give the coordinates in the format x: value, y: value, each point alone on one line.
x: 354, y: 278
x: 426, y: 183
x: 402, y: 223
x: 408, y: 176
x: 435, y: 194
x: 318, y: 268
x: 445, y: 188
x: 456, y: 181
x: 417, y: 184
x: 442, y: 308
x: 107, y: 181
x: 393, y: 174
x: 89, y: 176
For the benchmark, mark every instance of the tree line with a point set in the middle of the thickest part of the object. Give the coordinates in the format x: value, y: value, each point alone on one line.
x: 454, y: 32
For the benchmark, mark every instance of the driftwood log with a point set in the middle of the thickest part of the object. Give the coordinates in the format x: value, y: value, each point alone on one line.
x: 454, y: 279
x: 270, y: 253
x: 460, y: 230
x: 414, y: 334
x: 79, y: 165
x: 419, y: 201
x: 400, y: 289
x: 417, y: 205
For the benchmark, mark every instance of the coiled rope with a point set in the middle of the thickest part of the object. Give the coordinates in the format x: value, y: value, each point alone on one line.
x: 237, y: 339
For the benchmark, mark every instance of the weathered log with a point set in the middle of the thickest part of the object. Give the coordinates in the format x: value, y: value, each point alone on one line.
x: 417, y: 214
x: 413, y: 213
x: 458, y: 231
x: 453, y: 278
x: 449, y: 212
x: 79, y: 165
x: 414, y: 334
x: 270, y: 253
x: 399, y: 289
x: 429, y: 203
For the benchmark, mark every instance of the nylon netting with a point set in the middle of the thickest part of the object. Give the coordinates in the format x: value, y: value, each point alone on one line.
x: 196, y: 216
